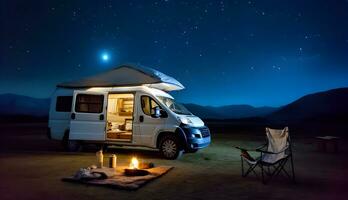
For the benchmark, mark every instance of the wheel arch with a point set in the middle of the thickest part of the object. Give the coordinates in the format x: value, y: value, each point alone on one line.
x: 178, y: 132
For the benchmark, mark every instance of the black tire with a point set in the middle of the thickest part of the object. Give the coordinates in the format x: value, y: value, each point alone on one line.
x: 70, y: 145
x: 170, y: 147
x: 65, y: 140
x: 73, y: 146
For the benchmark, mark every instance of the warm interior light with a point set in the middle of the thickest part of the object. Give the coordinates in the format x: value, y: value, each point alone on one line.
x: 134, y: 164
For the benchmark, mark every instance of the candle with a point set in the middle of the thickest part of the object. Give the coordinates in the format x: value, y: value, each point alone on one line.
x: 100, y: 158
x: 113, y: 161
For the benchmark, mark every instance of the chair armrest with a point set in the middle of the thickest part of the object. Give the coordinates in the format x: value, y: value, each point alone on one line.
x: 241, y: 148
x: 268, y: 152
x: 254, y: 149
x: 261, y: 147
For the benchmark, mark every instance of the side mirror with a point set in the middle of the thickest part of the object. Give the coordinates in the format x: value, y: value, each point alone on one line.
x: 156, y: 113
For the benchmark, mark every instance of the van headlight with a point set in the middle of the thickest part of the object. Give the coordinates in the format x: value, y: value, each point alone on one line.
x: 185, y: 120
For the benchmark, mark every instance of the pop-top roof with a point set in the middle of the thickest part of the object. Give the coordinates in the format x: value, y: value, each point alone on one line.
x: 127, y: 75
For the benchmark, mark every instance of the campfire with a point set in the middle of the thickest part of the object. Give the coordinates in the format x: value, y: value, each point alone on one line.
x: 133, y: 169
x: 134, y: 164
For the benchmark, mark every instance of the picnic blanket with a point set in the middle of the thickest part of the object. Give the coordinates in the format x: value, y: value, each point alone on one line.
x: 117, y: 179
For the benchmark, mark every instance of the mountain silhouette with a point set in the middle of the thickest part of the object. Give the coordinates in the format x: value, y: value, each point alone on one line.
x: 12, y: 104
x: 331, y: 104
x: 229, y: 111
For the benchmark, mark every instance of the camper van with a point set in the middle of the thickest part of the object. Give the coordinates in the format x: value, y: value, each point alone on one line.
x: 125, y: 106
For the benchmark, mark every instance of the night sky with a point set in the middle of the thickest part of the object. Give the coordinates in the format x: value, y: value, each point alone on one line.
x: 224, y: 52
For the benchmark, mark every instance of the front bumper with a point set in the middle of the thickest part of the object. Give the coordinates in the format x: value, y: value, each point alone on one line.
x: 197, y: 137
x: 199, y: 143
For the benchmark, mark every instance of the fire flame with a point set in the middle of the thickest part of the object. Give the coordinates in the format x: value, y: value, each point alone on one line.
x: 134, y: 164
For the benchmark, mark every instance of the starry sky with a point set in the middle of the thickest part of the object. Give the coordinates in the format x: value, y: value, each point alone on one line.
x: 256, y: 52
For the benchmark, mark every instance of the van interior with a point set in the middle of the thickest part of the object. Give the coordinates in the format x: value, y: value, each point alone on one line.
x: 120, y: 117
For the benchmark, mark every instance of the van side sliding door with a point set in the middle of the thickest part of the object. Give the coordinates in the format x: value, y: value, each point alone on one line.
x: 88, y: 116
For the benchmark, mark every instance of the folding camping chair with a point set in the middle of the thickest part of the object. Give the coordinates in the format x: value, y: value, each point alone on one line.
x: 274, y: 155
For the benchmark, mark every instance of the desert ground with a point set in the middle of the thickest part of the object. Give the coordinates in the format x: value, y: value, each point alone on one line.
x: 32, y: 167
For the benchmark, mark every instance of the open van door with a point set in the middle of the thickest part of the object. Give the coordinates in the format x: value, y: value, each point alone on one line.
x: 88, y: 116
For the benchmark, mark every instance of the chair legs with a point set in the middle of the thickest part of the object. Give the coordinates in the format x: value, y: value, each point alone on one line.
x: 263, y: 176
x: 266, y: 172
x: 242, y: 163
x: 292, y: 170
x: 250, y: 169
x: 281, y: 168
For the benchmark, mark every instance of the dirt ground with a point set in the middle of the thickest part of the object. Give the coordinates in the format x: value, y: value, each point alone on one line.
x: 32, y: 166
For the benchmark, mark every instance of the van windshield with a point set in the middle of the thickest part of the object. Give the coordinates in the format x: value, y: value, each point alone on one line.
x: 174, y: 106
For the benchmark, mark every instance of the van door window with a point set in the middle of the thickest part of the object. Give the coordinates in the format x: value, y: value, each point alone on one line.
x: 63, y: 103
x: 148, y: 105
x: 87, y: 103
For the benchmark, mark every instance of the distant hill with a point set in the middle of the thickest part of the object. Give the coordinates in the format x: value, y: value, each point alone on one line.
x: 12, y: 104
x: 230, y: 111
x: 330, y: 105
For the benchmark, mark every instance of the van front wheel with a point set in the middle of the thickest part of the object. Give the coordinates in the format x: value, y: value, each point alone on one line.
x: 170, y: 147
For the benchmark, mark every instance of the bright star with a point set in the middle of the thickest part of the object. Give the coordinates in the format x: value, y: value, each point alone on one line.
x: 105, y: 57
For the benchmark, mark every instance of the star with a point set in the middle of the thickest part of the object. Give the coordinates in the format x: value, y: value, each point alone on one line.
x: 105, y: 57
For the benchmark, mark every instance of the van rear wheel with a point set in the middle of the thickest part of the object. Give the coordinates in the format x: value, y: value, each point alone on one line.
x: 73, y: 145
x: 170, y: 147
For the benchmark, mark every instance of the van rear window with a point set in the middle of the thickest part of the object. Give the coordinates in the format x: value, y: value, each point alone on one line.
x: 88, y: 103
x: 63, y: 103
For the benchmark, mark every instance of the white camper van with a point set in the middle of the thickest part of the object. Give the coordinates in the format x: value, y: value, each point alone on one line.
x: 126, y: 106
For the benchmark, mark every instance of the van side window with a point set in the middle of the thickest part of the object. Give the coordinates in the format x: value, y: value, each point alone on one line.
x: 147, y: 104
x: 87, y: 103
x: 63, y: 103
